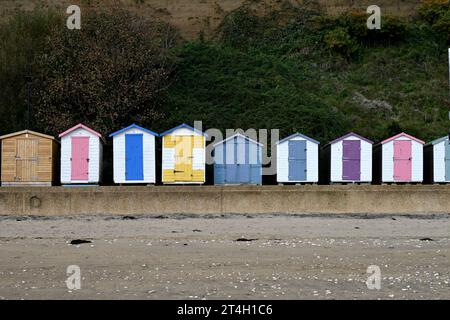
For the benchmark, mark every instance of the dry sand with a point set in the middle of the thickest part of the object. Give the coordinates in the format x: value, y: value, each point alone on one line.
x: 288, y: 257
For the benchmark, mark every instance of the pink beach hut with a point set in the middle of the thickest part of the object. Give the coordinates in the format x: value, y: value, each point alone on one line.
x: 400, y: 159
x: 81, y: 155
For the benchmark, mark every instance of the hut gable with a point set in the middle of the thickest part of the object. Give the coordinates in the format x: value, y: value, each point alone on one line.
x: 402, y: 136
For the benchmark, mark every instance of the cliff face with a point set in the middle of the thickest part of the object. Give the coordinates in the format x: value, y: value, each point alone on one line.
x: 193, y: 16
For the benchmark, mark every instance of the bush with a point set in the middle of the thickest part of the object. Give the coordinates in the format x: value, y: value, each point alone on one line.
x: 339, y: 40
x: 436, y: 13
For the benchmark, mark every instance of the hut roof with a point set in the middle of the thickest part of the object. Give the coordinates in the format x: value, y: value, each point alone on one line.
x: 237, y: 135
x: 133, y: 126
x: 24, y: 132
x: 402, y: 134
x: 439, y: 140
x: 183, y: 125
x: 349, y: 135
x: 298, y: 135
x: 80, y: 125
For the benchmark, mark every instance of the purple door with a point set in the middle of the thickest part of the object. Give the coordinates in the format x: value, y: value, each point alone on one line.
x: 351, y: 160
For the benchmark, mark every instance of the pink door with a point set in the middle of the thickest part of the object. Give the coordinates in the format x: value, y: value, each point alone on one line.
x: 402, y: 160
x: 80, y: 158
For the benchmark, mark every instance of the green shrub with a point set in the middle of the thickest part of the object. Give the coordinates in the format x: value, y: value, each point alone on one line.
x: 339, y: 40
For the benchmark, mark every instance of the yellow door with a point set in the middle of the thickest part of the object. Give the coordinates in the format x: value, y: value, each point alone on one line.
x: 183, y: 158
x: 26, y: 160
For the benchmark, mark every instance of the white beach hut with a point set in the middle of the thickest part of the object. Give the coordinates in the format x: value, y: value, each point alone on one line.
x: 298, y: 159
x: 348, y: 159
x: 134, y: 155
x: 81, y: 155
x: 399, y: 159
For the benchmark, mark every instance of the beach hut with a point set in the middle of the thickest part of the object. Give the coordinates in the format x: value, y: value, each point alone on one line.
x: 298, y: 159
x: 437, y: 161
x: 81, y: 155
x: 399, y: 159
x: 134, y: 155
x: 183, y: 155
x: 348, y: 159
x: 28, y: 158
x: 237, y: 160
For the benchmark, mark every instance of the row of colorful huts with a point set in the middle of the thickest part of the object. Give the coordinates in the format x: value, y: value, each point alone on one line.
x: 31, y: 158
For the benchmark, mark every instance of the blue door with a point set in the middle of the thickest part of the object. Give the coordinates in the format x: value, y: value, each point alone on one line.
x: 447, y: 160
x: 242, y: 161
x: 134, y: 164
x: 297, y: 160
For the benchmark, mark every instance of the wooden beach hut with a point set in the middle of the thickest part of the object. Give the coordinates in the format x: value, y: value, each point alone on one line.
x: 347, y: 159
x: 237, y: 160
x: 28, y: 158
x: 399, y: 159
x: 81, y: 155
x: 298, y: 159
x: 183, y: 155
x: 134, y: 155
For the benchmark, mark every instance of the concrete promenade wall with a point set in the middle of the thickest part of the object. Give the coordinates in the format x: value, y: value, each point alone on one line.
x: 157, y: 200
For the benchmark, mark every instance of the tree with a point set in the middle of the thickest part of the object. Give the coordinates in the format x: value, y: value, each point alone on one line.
x: 22, y: 37
x: 112, y: 72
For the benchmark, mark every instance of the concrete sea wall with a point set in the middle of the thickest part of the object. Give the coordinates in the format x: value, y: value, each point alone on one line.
x: 166, y: 200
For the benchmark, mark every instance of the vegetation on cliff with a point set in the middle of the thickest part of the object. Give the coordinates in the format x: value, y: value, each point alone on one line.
x: 295, y: 69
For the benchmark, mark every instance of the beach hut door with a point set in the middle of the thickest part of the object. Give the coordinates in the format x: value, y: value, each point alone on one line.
x: 242, y: 161
x: 134, y: 165
x: 447, y: 161
x: 297, y: 160
x: 183, y: 158
x: 26, y: 160
x: 402, y: 160
x: 80, y: 158
x: 351, y: 160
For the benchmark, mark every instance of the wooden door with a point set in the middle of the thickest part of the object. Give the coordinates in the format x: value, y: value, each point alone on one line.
x: 297, y: 160
x: 183, y: 158
x: 402, y: 160
x: 26, y: 160
x: 134, y: 164
x: 80, y: 158
x: 351, y: 160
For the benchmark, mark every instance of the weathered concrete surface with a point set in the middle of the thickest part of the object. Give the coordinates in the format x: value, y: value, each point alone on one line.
x: 124, y: 200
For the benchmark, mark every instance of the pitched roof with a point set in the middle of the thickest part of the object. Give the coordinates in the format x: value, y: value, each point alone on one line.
x: 298, y: 135
x: 183, y: 125
x: 80, y: 125
x: 237, y: 135
x: 439, y: 140
x: 133, y: 126
x: 349, y: 135
x: 9, y: 135
x: 402, y: 134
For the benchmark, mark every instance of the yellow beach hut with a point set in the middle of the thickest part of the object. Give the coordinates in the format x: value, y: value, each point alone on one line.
x: 183, y: 155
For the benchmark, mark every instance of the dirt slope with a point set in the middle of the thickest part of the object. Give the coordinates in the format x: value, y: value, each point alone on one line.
x: 193, y: 16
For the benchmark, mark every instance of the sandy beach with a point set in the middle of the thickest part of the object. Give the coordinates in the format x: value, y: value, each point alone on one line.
x: 230, y: 257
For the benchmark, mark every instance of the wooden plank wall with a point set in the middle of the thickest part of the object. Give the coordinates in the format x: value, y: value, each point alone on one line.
x: 46, y: 159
